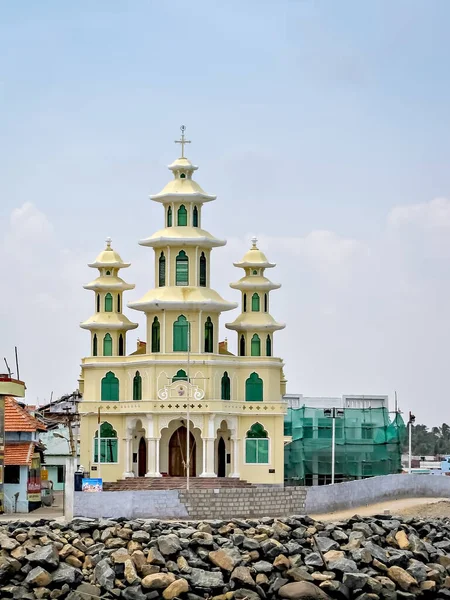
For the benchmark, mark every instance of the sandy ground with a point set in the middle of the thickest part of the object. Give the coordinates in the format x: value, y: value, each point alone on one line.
x: 406, y: 507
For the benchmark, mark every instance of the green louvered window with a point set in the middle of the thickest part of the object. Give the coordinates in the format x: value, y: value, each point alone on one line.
x: 255, y: 302
x: 108, y: 303
x: 110, y: 387
x: 180, y: 334
x: 182, y: 216
x: 254, y: 388
x: 169, y: 217
x: 256, y: 345
x: 108, y: 444
x: 156, y: 335
x: 225, y: 387
x: 180, y: 376
x: 195, y: 217
x: 242, y: 346
x: 162, y: 270
x: 107, y: 345
x: 257, y: 445
x: 202, y: 278
x: 137, y: 386
x: 209, y: 335
x: 94, y: 345
x: 98, y: 302
x: 268, y: 346
x: 182, y: 269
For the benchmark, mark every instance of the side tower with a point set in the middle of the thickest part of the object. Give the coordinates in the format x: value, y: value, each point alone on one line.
x: 108, y: 325
x: 255, y: 325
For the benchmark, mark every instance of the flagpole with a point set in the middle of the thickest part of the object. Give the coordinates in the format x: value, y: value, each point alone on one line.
x: 188, y: 461
x: 99, y: 459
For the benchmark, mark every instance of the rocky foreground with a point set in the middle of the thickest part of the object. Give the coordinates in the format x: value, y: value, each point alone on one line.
x: 294, y: 558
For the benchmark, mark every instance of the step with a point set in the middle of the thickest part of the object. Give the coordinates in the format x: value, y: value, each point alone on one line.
x: 171, y: 483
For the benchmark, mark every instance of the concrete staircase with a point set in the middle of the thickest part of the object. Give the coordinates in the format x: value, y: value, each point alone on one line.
x: 174, y: 483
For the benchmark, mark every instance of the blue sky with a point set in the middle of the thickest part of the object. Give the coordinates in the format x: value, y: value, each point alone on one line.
x: 305, y: 116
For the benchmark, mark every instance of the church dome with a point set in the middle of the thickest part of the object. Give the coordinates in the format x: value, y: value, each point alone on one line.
x: 254, y: 258
x: 109, y: 258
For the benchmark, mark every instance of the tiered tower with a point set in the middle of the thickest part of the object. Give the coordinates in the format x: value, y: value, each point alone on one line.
x: 255, y: 325
x: 108, y: 325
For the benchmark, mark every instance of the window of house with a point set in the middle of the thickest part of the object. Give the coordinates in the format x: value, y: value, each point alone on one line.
x: 137, y: 386
x: 169, y: 217
x: 209, y: 335
x: 195, y: 217
x: 257, y: 445
x: 182, y: 216
x: 182, y: 269
x: 254, y: 388
x: 94, y: 345
x: 108, y: 303
x: 256, y: 345
x: 268, y: 346
x: 180, y: 334
x: 107, y: 345
x: 12, y: 474
x: 225, y: 387
x: 202, y: 270
x: 108, y: 444
x: 242, y: 346
x: 155, y: 335
x: 162, y: 270
x: 60, y: 474
x: 110, y: 387
x: 121, y: 345
x: 255, y: 302
x: 180, y: 376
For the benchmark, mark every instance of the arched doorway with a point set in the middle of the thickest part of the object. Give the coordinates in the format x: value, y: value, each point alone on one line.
x: 177, y: 453
x: 221, y: 458
x: 142, y: 458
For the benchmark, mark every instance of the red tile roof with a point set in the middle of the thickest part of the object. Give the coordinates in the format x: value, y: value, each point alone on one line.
x: 18, y: 418
x: 19, y: 453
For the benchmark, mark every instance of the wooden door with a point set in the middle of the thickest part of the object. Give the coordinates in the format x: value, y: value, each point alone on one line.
x: 142, y: 458
x: 177, y: 453
x: 221, y: 458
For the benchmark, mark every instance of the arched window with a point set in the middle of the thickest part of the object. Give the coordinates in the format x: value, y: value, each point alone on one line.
x: 242, y: 346
x: 182, y: 175
x: 137, y: 386
x: 169, y: 217
x: 162, y: 270
x: 121, y: 345
x: 108, y: 272
x: 254, y: 272
x: 256, y: 345
x: 108, y: 303
x: 255, y: 302
x: 182, y: 269
x: 107, y: 345
x: 195, y: 217
x: 182, y: 216
x: 108, y: 444
x: 110, y: 387
x: 245, y: 302
x: 94, y: 345
x: 257, y: 445
x: 225, y: 387
x: 98, y: 302
x: 180, y: 376
x: 180, y: 334
x: 268, y: 346
x: 254, y: 388
x: 209, y: 335
x: 155, y: 335
x: 266, y: 304
x: 118, y: 303
x: 202, y: 270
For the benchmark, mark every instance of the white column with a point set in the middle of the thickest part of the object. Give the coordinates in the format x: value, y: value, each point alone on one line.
x: 208, y: 458
x: 128, y: 458
x: 69, y: 488
x: 153, y: 457
x: 235, y: 457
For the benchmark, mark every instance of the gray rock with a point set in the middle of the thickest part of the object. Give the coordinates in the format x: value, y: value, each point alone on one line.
x: 302, y: 590
x: 135, y: 593
x: 355, y: 581
x: 205, y: 579
x: 344, y: 565
x: 314, y: 560
x: 262, y: 566
x: 104, y: 575
x: 46, y: 556
x: 326, y: 544
x: 66, y: 574
x: 169, y: 544
x: 87, y: 590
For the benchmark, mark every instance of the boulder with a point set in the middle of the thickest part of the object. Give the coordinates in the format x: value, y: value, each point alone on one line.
x: 302, y: 590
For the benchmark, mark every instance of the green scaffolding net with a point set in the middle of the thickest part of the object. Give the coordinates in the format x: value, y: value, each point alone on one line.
x: 368, y: 443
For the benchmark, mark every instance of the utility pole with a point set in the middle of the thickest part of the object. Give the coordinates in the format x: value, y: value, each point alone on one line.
x: 412, y: 418
x: 188, y: 415
x: 333, y: 413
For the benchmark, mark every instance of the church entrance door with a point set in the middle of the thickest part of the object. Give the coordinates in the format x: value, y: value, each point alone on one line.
x: 222, y: 458
x: 177, y: 453
x: 142, y: 458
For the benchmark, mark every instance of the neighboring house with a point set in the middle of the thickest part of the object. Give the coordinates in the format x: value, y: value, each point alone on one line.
x: 57, y: 451
x: 23, y: 458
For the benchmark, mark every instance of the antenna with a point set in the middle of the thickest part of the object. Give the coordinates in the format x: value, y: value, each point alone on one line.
x: 396, y: 403
x: 17, y: 363
x: 7, y: 366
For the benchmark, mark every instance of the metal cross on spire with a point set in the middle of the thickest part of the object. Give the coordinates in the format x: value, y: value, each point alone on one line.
x: 182, y: 141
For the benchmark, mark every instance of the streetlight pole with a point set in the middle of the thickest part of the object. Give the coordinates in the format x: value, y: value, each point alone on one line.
x: 333, y: 413
x: 188, y: 461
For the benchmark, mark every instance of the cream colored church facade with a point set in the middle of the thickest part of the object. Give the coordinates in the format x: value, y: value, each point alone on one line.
x: 135, y: 406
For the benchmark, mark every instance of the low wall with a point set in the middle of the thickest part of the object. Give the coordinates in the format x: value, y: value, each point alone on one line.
x: 328, y: 498
x: 197, y: 504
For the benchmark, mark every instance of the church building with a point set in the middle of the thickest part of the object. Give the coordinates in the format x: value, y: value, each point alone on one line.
x: 182, y: 400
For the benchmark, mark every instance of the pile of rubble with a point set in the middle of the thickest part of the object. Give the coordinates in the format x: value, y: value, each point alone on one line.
x: 382, y: 557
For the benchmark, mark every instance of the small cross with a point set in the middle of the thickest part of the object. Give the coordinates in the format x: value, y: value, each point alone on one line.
x: 254, y: 241
x: 182, y: 141
x: 108, y: 242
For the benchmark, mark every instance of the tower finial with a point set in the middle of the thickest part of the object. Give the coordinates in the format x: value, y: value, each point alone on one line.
x: 183, y: 141
x: 254, y: 241
x: 108, y: 243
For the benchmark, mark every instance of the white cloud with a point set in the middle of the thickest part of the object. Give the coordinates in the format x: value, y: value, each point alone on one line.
x: 431, y: 215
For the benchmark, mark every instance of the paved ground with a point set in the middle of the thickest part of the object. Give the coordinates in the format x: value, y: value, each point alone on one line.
x: 45, y: 512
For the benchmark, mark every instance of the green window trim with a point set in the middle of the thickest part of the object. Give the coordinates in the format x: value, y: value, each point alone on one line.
x: 107, y: 345
x: 162, y: 270
x: 121, y: 345
x: 202, y: 277
x: 242, y: 346
x: 137, y: 386
x: 257, y: 445
x: 94, y: 345
x: 195, y: 217
x: 225, y: 387
x: 255, y: 302
x: 182, y: 269
x: 169, y: 217
x: 108, y: 303
x: 268, y: 346
x: 108, y: 444
x: 180, y: 334
x: 254, y: 388
x: 110, y: 388
x: 209, y: 335
x: 156, y: 341
x: 180, y: 376
x: 256, y: 345
x: 182, y: 216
